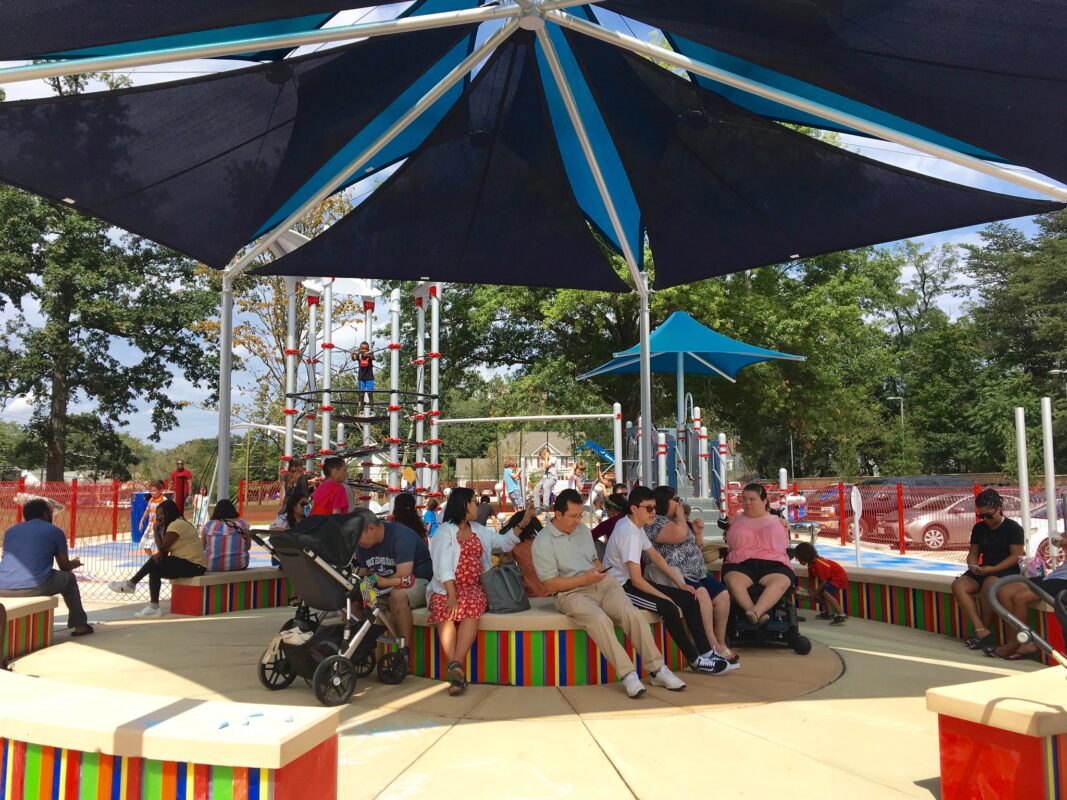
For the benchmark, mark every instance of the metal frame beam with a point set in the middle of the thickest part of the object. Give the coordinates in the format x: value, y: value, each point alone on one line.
x: 640, y: 277
x: 808, y: 106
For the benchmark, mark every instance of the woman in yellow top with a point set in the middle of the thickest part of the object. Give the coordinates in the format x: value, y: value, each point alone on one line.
x: 179, y: 555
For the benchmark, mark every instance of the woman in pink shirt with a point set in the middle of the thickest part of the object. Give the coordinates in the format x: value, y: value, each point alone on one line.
x: 758, y: 540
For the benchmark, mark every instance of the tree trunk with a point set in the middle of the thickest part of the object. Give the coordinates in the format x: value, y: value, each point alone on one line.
x: 57, y: 425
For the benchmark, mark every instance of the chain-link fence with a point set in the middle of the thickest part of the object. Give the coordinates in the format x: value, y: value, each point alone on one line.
x: 930, y: 521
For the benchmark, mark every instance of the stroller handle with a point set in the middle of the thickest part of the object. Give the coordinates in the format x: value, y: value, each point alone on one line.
x: 1026, y: 633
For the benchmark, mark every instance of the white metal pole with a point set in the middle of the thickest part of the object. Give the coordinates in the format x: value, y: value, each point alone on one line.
x: 340, y: 436
x: 1050, y: 475
x: 617, y: 448
x: 1023, y: 462
x: 680, y: 442
x: 421, y: 479
x: 661, y: 459
x: 310, y: 359
x: 646, y: 375
x: 368, y: 407
x: 394, y: 392
x: 633, y: 260
x: 435, y: 389
x: 337, y: 181
x: 292, y: 353
x: 533, y: 418
x: 700, y: 488
x: 225, y: 384
x: 642, y: 474
x: 705, y: 465
x: 768, y: 92
x: 723, y: 486
x: 327, y: 367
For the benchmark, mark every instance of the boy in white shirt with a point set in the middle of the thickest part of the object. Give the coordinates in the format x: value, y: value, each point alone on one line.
x: 623, y: 559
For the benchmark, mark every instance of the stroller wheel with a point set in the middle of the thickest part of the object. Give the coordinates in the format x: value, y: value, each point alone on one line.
x: 801, y: 644
x: 334, y: 681
x: 277, y: 674
x: 365, y: 664
x: 393, y: 667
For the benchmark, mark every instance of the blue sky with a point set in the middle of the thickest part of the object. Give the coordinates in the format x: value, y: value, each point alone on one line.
x: 195, y: 422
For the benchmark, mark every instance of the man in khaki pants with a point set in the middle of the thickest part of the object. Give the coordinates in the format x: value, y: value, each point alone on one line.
x: 566, y: 563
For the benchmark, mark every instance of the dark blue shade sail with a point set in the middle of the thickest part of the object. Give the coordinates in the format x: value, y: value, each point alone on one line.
x: 989, y: 73
x: 484, y: 200
x: 40, y: 28
x: 721, y: 189
x: 201, y: 165
x: 704, y: 352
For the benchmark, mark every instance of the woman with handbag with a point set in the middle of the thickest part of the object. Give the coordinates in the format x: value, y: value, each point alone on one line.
x: 461, y: 551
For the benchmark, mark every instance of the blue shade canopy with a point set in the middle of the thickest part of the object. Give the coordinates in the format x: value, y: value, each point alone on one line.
x: 77, y: 28
x: 987, y: 77
x: 704, y: 352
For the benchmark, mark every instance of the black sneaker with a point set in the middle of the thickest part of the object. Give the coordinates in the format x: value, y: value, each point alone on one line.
x: 824, y: 615
x: 840, y: 619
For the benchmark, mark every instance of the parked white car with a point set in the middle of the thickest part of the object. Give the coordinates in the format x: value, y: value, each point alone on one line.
x: 1039, y: 532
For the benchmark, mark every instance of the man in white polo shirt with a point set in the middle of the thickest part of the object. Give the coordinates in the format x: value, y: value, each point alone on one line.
x: 566, y: 563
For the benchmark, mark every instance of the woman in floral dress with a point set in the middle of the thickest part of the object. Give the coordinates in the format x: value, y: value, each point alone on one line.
x: 461, y: 550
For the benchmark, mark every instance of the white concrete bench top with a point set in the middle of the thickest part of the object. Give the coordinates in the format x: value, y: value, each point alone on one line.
x: 156, y: 727
x: 542, y: 616
x: 24, y: 606
x: 1031, y: 703
x: 232, y: 576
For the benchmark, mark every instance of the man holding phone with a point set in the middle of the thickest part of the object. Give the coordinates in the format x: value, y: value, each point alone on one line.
x: 566, y: 563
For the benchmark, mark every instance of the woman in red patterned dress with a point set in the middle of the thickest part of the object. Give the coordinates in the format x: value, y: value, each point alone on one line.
x: 461, y: 550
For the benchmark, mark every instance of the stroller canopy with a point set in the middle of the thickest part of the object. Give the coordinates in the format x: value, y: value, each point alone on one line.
x: 333, y: 538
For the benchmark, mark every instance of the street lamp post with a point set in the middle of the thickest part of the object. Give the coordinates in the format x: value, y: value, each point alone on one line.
x: 1062, y: 372
x: 901, y: 400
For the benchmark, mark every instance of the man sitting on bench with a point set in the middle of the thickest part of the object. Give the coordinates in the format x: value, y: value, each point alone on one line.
x: 30, y: 547
x: 566, y: 563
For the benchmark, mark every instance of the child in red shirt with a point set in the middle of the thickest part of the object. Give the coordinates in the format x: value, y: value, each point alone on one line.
x: 832, y: 579
x: 331, y: 497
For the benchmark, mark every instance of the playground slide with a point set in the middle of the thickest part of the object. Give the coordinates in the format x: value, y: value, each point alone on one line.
x: 600, y: 451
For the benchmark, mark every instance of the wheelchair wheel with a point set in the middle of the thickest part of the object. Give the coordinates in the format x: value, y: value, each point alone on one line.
x: 334, y: 681
x: 393, y: 667
x: 275, y: 675
x: 365, y: 664
x: 801, y: 644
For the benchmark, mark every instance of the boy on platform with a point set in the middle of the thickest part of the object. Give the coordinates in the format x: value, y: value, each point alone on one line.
x: 828, y: 580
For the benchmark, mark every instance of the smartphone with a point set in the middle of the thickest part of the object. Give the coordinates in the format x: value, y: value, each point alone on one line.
x: 605, y: 569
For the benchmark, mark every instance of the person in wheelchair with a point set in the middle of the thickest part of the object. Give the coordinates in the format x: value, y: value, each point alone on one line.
x: 757, y: 540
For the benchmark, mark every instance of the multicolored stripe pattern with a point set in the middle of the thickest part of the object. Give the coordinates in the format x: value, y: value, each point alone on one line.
x: 926, y: 610
x: 533, y: 658
x: 38, y: 772
x: 28, y: 633
x: 1054, y: 753
x: 222, y: 598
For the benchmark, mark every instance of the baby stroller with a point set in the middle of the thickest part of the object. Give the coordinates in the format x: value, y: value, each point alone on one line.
x: 783, y: 627
x: 330, y: 650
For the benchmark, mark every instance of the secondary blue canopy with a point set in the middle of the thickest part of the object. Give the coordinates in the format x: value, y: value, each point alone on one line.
x: 703, y: 351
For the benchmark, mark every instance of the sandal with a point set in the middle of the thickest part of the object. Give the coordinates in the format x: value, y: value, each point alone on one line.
x: 752, y: 617
x: 456, y: 688
x: 976, y: 642
x: 84, y: 632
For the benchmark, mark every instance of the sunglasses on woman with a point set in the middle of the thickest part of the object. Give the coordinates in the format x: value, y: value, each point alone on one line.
x: 987, y: 515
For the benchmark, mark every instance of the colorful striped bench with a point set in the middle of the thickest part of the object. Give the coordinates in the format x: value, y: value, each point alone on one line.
x: 223, y: 592
x: 539, y: 647
x: 921, y: 601
x: 1003, y: 739
x: 29, y: 624
x: 65, y: 741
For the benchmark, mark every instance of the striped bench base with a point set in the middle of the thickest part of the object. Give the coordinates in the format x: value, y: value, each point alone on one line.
x: 33, y: 770
x: 223, y: 592
x: 534, y: 658
x: 29, y: 625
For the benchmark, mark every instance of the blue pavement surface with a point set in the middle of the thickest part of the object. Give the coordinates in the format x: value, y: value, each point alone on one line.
x: 876, y: 559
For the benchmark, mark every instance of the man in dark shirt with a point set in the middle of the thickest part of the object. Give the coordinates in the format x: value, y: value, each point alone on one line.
x: 996, y: 544
x: 485, y: 511
x: 30, y: 547
x: 401, y: 561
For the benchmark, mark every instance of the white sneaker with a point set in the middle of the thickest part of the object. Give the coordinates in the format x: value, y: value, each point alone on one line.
x: 149, y: 611
x: 633, y: 686
x: 711, y: 663
x: 122, y: 587
x: 668, y: 680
